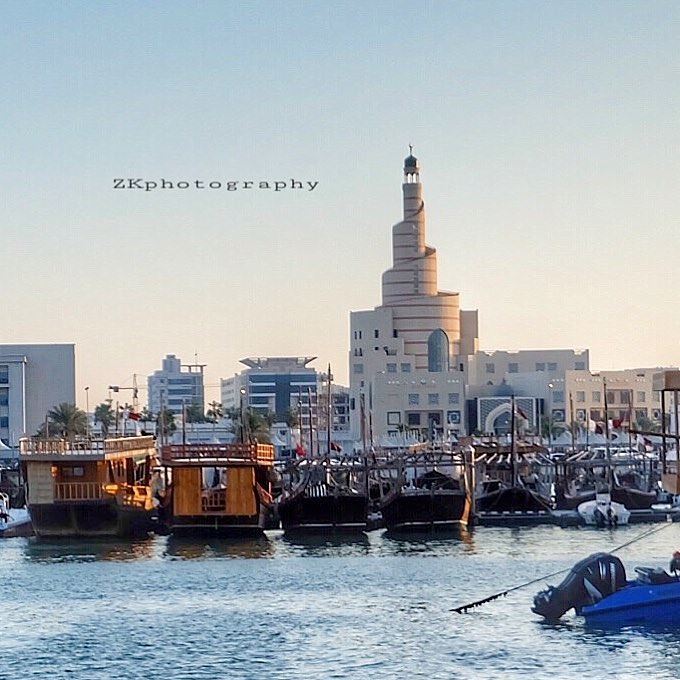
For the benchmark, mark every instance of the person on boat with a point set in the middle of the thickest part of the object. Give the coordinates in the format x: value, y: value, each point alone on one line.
x: 531, y: 480
x: 674, y: 567
x: 157, y: 487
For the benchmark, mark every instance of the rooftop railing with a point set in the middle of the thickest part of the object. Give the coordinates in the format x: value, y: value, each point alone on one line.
x: 256, y: 453
x: 56, y: 446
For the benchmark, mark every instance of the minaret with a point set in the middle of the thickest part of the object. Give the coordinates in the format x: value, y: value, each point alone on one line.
x: 409, y: 287
x: 414, y: 264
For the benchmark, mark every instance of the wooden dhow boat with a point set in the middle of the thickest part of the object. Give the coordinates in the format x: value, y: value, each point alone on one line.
x: 89, y: 487
x: 432, y: 492
x: 216, y: 489
x: 513, y: 478
x: 324, y: 496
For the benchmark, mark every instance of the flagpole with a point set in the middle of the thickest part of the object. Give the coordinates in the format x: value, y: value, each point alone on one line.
x: 571, y: 411
x: 630, y: 422
x: 606, y: 429
x: 299, y: 410
x: 329, y: 413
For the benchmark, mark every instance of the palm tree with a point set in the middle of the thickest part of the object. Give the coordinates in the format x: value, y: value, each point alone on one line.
x: 551, y: 427
x: 257, y: 424
x: 105, y: 415
x: 146, y: 416
x: 194, y: 413
x: 67, y: 420
x: 647, y: 425
x: 291, y: 418
x: 167, y: 419
x: 215, y: 412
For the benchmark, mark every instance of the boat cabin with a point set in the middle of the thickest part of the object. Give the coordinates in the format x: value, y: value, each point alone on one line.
x: 217, y: 488
x: 89, y: 487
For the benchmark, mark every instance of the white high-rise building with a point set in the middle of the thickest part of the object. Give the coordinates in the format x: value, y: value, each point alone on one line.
x: 274, y: 385
x: 407, y: 366
x: 176, y: 385
x: 33, y: 380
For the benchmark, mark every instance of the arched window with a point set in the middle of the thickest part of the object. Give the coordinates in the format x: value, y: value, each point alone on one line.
x: 438, y: 352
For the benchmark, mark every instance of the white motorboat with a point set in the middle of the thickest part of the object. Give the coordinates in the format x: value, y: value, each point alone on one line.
x: 13, y: 521
x: 603, y: 512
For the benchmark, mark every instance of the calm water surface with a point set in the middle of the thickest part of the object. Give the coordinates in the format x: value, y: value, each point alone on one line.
x: 275, y: 608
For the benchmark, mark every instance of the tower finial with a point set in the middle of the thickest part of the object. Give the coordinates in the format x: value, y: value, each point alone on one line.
x: 410, y: 149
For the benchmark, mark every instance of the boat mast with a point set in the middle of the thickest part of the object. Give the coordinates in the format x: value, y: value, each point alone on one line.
x: 512, y: 442
x: 311, y: 426
x: 606, y: 436
x: 362, y: 409
x: 329, y: 412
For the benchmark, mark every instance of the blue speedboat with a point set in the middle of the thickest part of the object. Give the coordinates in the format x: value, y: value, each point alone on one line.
x: 597, y: 589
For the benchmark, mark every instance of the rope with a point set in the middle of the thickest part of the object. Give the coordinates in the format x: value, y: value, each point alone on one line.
x: 478, y: 603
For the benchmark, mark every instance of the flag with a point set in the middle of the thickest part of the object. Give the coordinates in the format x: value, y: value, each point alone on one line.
x: 134, y: 416
x: 521, y: 413
x: 300, y: 451
x: 335, y: 447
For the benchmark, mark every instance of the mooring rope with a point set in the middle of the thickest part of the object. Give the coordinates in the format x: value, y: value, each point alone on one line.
x: 502, y: 593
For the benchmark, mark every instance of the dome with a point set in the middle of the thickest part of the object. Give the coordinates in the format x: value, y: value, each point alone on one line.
x: 504, y: 390
x: 411, y: 161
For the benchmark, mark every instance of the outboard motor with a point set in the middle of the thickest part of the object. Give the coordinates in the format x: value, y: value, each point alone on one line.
x: 588, y: 582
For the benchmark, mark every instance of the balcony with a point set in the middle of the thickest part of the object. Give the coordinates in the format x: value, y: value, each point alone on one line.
x: 77, y: 491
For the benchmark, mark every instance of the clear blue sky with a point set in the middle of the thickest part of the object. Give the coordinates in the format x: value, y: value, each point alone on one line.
x: 548, y: 133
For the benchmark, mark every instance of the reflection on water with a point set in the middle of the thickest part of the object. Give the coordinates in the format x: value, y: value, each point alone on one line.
x: 88, y: 550
x: 341, y: 545
x: 456, y: 541
x: 192, y: 548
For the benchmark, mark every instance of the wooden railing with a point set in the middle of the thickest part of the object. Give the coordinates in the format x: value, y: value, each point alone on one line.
x: 77, y: 491
x: 55, y: 446
x: 257, y: 453
x: 214, y: 500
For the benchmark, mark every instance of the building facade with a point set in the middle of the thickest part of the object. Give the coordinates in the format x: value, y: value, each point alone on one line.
x: 33, y: 380
x: 630, y: 396
x: 408, y: 356
x: 176, y: 385
x: 277, y: 385
x: 496, y: 367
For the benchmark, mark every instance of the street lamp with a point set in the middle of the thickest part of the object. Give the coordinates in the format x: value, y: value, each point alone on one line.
x: 87, y: 411
x: 550, y: 416
x: 243, y: 420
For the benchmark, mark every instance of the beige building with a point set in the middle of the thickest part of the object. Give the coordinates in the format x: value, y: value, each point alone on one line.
x: 628, y: 391
x: 407, y: 356
x: 493, y: 368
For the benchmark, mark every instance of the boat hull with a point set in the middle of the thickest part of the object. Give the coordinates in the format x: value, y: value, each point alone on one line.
x: 218, y: 526
x: 512, y: 499
x: 18, y: 525
x: 324, y: 514
x: 425, y: 511
x: 89, y: 520
x: 637, y: 604
x: 601, y: 513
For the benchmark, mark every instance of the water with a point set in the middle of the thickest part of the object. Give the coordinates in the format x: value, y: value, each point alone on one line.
x: 275, y: 608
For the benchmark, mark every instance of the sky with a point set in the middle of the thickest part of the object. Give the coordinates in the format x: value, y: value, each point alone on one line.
x: 548, y: 135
